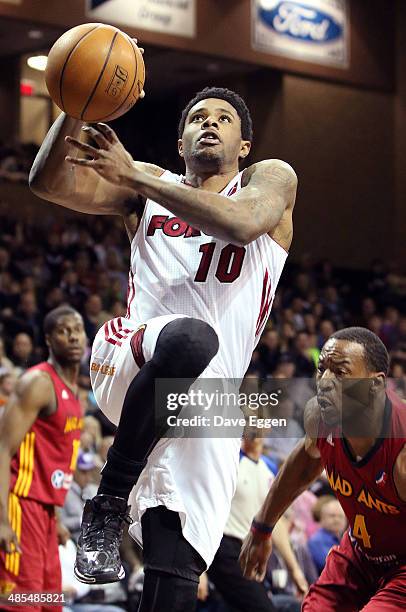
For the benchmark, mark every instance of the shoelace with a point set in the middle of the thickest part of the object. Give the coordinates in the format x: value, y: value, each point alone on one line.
x: 106, y: 529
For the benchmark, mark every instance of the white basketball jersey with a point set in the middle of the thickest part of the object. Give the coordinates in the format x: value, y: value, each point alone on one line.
x: 176, y: 269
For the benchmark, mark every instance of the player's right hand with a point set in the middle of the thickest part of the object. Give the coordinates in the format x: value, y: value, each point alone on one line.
x: 142, y: 50
x: 254, y: 556
x: 8, y: 539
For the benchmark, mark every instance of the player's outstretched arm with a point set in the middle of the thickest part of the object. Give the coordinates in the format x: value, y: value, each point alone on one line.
x: 74, y: 186
x: 301, y: 467
x: 34, y: 392
x: 269, y: 192
x: 257, y: 209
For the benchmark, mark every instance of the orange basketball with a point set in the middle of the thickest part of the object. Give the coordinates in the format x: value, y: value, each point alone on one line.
x: 95, y: 72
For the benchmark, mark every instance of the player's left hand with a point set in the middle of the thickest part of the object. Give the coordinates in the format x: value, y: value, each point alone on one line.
x: 109, y: 159
x: 62, y: 532
x: 254, y: 556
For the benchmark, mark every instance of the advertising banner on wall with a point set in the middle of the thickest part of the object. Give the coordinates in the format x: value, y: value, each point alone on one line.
x: 315, y: 31
x: 168, y: 16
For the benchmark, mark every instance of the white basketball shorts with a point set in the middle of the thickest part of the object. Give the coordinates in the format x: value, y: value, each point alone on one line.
x: 120, y: 349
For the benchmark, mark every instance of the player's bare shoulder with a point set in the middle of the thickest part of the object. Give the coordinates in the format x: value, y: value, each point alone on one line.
x: 272, y: 184
x: 35, y: 387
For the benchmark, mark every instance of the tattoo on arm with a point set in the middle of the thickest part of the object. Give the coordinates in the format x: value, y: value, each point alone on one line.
x: 269, y: 190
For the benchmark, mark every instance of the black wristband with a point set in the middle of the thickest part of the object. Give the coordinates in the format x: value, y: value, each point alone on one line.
x: 262, y: 527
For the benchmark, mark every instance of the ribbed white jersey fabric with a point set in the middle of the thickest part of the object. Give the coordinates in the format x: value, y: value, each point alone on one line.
x: 176, y: 269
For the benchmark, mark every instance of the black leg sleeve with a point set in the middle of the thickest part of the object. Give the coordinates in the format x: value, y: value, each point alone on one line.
x: 163, y: 592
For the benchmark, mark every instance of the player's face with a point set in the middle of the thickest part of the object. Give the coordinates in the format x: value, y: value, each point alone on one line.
x: 67, y: 340
x: 340, y: 363
x: 212, y: 136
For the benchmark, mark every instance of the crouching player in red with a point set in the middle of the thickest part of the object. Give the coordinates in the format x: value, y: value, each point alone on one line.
x: 356, y: 431
x: 39, y: 443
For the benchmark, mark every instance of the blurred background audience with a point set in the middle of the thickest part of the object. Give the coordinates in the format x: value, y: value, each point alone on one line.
x: 47, y: 263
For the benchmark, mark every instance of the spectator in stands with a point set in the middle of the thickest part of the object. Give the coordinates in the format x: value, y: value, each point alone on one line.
x: 333, y: 308
x: 302, y: 355
x: 75, y: 293
x: 331, y: 517
x: 5, y: 362
x: 54, y: 297
x: 280, y: 447
x: 286, y: 367
x: 254, y: 478
x: 83, y: 487
x: 92, y: 426
x: 54, y: 255
x: 27, y: 318
x: 269, y: 351
x: 326, y: 329
x: 22, y: 354
x: 7, y: 382
x: 92, y: 316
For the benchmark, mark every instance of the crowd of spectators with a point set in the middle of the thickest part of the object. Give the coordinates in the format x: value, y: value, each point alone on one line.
x: 16, y: 160
x: 84, y: 261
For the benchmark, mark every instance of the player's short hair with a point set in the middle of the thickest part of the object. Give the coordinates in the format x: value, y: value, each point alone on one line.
x: 375, y: 352
x: 53, y: 316
x: 222, y: 94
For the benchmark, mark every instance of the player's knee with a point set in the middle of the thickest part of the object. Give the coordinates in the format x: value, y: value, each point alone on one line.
x: 185, y: 347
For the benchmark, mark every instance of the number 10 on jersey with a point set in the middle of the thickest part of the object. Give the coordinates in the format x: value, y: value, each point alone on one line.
x: 229, y: 265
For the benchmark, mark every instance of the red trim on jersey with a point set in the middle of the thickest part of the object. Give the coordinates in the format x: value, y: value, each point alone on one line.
x: 136, y: 346
x: 266, y: 302
x: 232, y: 190
x: 117, y: 333
x: 107, y: 335
x: 131, y: 292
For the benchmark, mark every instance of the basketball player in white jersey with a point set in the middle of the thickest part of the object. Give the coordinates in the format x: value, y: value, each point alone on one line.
x: 207, y: 252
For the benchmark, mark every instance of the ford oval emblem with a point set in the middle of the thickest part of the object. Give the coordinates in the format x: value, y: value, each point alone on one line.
x: 289, y: 18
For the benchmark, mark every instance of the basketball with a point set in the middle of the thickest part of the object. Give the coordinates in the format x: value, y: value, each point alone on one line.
x: 95, y: 72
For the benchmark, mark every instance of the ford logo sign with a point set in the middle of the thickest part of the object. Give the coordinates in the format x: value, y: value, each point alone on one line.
x: 298, y: 21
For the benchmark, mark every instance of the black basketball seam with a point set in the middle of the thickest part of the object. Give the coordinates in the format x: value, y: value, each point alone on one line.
x: 66, y: 61
x: 131, y: 88
x: 100, y: 75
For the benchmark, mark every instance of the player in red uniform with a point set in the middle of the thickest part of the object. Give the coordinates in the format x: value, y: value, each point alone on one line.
x: 39, y: 443
x: 356, y: 431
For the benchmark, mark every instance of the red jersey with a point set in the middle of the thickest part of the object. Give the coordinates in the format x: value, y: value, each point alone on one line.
x: 366, y: 488
x: 42, y: 469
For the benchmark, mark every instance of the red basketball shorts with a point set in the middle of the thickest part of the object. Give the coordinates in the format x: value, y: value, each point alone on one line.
x: 351, y: 583
x: 37, y: 568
